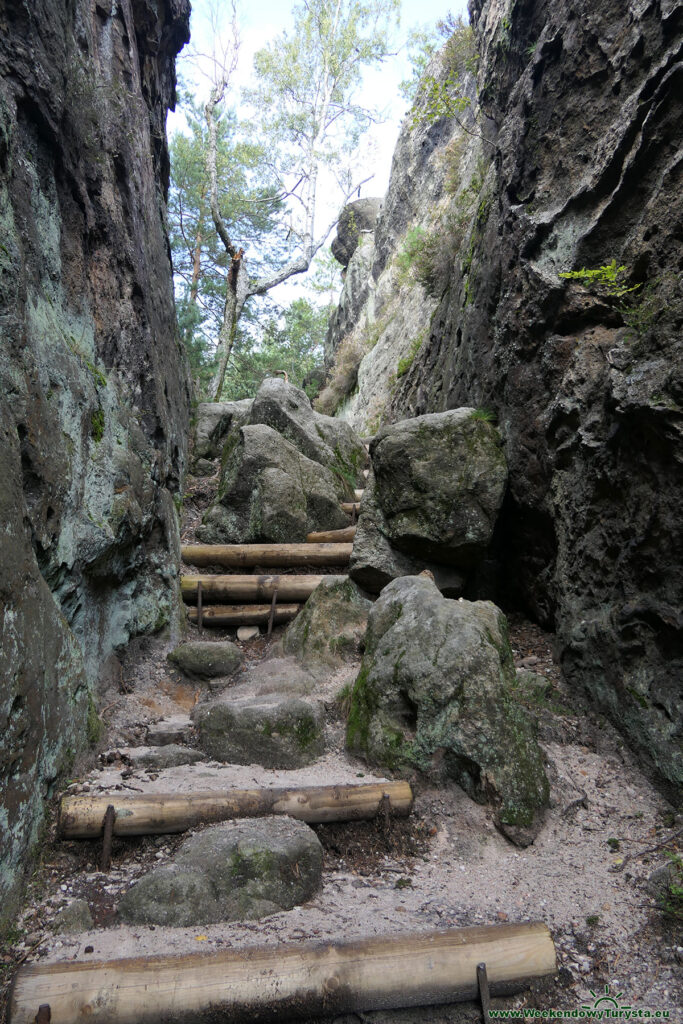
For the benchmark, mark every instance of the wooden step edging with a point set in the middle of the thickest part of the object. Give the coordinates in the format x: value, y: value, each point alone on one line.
x: 82, y: 816
x: 332, y: 536
x: 220, y: 616
x: 233, y: 556
x: 251, y: 588
x: 350, y: 507
x: 281, y: 981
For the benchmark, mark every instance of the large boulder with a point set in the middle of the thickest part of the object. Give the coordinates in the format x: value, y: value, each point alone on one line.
x: 331, y: 625
x: 269, y: 491
x: 439, y: 482
x: 324, y: 439
x: 356, y: 218
x: 435, y: 691
x: 240, y: 870
x: 215, y: 420
x: 273, y: 730
x: 374, y: 562
x: 207, y: 659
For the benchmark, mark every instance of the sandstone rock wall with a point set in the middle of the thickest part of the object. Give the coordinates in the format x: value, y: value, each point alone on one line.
x: 94, y: 387
x: 577, y: 163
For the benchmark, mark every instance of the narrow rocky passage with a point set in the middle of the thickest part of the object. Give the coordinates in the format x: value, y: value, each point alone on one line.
x: 218, y: 713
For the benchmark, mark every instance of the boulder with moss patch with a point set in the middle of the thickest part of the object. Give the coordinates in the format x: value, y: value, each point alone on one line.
x: 436, y: 692
x: 237, y: 871
x: 272, y: 730
x: 331, y: 625
x: 269, y: 492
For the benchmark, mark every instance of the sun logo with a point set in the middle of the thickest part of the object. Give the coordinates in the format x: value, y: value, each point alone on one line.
x: 604, y: 1000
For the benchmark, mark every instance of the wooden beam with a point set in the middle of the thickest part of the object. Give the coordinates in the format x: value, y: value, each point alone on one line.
x: 351, y: 507
x: 234, y: 556
x: 251, y: 588
x: 222, y: 616
x: 281, y: 982
x: 358, y: 494
x: 332, y: 536
x: 81, y: 817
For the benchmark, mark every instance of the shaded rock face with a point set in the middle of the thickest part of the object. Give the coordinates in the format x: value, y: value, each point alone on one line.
x: 435, y: 690
x: 239, y: 871
x: 95, y: 389
x: 357, y: 218
x: 580, y: 109
x: 215, y: 420
x: 269, y: 491
x: 207, y: 659
x: 331, y: 625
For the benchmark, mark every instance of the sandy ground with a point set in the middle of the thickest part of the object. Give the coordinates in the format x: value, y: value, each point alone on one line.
x: 446, y: 866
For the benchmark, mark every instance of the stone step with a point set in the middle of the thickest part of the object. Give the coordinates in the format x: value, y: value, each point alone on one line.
x: 177, y: 729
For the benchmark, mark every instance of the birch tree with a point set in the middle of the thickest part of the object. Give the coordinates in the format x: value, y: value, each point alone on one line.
x: 306, y: 102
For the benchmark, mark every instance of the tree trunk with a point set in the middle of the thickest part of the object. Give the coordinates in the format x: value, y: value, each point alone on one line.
x: 82, y: 817
x: 220, y: 616
x: 237, y: 292
x: 282, y: 982
x: 279, y: 555
x: 251, y: 588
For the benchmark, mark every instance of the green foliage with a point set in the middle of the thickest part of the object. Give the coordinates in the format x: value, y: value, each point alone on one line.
x: 672, y: 900
x: 593, y: 920
x: 613, y: 843
x: 607, y: 278
x: 443, y: 94
x: 407, y: 361
x: 486, y: 415
x: 94, y: 726
x: 97, y: 425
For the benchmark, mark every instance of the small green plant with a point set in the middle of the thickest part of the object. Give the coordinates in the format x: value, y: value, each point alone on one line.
x: 593, y: 920
x: 613, y: 843
x: 343, y: 700
x: 608, y: 278
x: 531, y: 50
x: 671, y: 901
x: 94, y: 726
x: 403, y: 883
x: 407, y: 361
x: 97, y: 425
x: 486, y: 415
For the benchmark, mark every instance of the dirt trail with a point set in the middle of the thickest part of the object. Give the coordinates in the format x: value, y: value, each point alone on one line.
x: 445, y: 866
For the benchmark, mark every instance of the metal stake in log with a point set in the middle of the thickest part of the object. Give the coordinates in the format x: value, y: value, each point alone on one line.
x: 109, y: 818
x: 273, y: 605
x: 484, y: 994
x: 200, y: 621
x: 384, y: 810
x: 44, y: 1015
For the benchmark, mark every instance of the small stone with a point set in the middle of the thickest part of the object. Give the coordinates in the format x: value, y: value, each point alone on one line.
x: 248, y: 633
x: 176, y: 729
x: 168, y: 756
x: 76, y: 917
x: 207, y: 659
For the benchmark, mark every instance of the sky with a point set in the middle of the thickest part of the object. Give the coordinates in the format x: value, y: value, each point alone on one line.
x: 262, y: 20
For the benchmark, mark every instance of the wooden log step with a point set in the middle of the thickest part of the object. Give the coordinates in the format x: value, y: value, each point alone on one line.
x: 332, y: 536
x: 220, y: 616
x: 250, y: 588
x: 284, y: 981
x: 234, y: 556
x: 366, y: 473
x: 350, y: 507
x: 82, y: 817
x: 359, y: 494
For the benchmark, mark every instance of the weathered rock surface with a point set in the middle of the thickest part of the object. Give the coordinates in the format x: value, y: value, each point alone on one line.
x: 439, y: 482
x: 357, y: 218
x: 95, y: 390
x: 176, y: 729
x: 171, y: 755
x: 331, y: 625
x: 374, y: 562
x: 272, y: 730
x: 75, y: 917
x: 215, y: 420
x: 435, y: 690
x: 269, y: 491
x: 588, y: 393
x: 207, y: 659
x: 238, y: 871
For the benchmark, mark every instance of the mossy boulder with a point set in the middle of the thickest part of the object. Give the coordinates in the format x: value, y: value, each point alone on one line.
x: 269, y: 492
x: 331, y: 625
x: 436, y: 692
x: 207, y: 659
x: 324, y: 439
x: 215, y: 421
x: 241, y: 870
x: 271, y: 730
x: 439, y: 483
